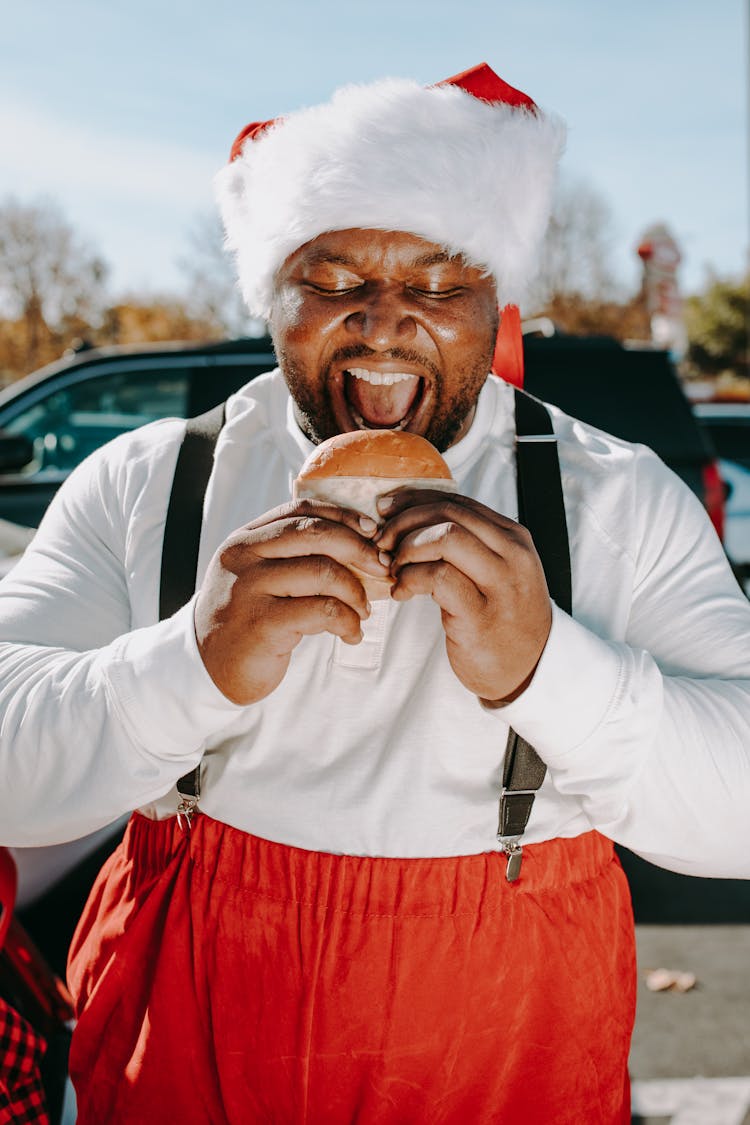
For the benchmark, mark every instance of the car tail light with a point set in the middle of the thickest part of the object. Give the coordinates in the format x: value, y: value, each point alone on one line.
x: 714, y: 494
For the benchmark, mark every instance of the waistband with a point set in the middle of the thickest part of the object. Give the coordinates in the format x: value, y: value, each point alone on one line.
x: 451, y: 885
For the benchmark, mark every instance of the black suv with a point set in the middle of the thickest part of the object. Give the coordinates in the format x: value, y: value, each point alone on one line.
x: 51, y: 420
x: 633, y: 393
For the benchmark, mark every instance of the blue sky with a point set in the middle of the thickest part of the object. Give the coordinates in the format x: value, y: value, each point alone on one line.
x: 123, y: 112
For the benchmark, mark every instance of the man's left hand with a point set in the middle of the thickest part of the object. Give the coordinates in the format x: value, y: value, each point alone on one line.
x: 483, y: 571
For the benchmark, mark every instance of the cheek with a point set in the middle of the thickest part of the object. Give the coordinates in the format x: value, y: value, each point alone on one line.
x: 293, y: 332
x: 470, y: 326
x: 470, y: 335
x: 484, y: 321
x: 288, y: 308
x: 299, y: 324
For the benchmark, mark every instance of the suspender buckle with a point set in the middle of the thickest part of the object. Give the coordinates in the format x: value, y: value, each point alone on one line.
x: 185, y: 811
x: 514, y: 812
x: 189, y: 792
x: 514, y: 851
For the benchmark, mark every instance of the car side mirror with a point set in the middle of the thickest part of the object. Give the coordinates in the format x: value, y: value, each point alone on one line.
x: 16, y: 450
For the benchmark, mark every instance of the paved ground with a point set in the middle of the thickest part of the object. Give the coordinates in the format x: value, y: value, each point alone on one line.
x: 699, y: 1035
x: 690, y: 1056
x: 690, y: 1060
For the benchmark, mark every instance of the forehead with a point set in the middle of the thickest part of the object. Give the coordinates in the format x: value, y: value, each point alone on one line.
x: 375, y: 250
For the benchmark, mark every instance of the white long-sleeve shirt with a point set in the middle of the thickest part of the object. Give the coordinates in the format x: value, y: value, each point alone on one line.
x: 640, y: 705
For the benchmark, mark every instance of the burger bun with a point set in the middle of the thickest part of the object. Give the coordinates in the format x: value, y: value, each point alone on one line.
x: 353, y: 470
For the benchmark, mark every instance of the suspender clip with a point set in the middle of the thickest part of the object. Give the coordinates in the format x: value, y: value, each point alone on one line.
x: 185, y: 811
x: 189, y: 792
x: 514, y: 851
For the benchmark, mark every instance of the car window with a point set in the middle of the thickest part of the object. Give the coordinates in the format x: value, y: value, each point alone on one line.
x: 73, y: 421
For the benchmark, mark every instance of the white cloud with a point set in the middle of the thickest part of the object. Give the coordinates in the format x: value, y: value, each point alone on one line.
x: 135, y: 200
x: 42, y: 155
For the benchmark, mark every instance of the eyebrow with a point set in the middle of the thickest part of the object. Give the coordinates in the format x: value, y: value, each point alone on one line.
x: 437, y: 258
x: 323, y: 257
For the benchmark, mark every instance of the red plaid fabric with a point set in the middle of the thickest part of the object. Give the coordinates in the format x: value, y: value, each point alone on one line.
x: 22, y: 1100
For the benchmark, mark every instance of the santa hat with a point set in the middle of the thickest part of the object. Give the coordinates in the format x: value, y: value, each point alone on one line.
x: 468, y: 164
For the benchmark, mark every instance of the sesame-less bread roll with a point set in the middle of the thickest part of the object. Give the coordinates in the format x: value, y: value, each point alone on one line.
x: 354, y: 469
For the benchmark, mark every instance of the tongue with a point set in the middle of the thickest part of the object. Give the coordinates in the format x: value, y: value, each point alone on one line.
x: 381, y: 405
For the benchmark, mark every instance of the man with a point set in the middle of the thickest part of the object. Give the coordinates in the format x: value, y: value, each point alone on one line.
x: 333, y: 934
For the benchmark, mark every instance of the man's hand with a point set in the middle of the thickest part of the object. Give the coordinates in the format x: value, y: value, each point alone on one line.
x: 282, y: 577
x: 483, y: 571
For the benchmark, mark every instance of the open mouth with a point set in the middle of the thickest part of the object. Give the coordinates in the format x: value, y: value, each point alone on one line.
x: 382, y: 400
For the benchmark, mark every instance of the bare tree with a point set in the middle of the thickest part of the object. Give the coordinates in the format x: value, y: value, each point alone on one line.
x: 212, y: 293
x: 575, y: 259
x: 51, y: 281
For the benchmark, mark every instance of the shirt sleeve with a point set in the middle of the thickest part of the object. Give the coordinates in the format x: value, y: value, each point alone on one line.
x: 96, y: 718
x: 652, y: 735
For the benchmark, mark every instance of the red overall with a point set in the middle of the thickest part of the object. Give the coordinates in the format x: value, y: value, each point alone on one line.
x: 223, y: 979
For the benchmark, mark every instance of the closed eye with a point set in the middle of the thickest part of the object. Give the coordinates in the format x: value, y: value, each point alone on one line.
x: 438, y: 294
x: 333, y: 291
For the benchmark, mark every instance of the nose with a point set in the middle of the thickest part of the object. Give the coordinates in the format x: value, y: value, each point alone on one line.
x: 381, y: 320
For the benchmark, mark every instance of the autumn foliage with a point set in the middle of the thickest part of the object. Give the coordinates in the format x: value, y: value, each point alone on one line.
x: 53, y: 296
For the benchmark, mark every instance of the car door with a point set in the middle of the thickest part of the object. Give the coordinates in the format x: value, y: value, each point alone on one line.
x: 70, y: 415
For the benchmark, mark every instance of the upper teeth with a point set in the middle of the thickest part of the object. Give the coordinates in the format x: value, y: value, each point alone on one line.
x: 380, y: 378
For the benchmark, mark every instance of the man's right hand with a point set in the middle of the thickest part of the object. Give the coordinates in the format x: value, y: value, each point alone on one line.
x: 282, y: 577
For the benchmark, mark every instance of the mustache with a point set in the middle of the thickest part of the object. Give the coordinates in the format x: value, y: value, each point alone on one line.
x: 407, y: 355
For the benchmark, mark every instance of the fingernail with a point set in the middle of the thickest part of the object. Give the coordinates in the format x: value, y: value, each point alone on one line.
x: 368, y: 525
x: 385, y: 502
x: 385, y: 558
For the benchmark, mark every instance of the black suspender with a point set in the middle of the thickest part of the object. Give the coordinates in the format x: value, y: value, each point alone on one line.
x: 540, y: 496
x: 540, y: 509
x: 182, y: 530
x: 182, y: 537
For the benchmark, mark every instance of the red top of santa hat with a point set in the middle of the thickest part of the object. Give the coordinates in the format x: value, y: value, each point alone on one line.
x: 483, y: 83
x: 251, y: 131
x: 480, y: 81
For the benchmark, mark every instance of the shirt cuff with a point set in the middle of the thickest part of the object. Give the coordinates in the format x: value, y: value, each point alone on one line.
x: 574, y: 687
x: 161, y: 689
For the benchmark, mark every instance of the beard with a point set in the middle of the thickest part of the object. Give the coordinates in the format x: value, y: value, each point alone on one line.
x: 314, y: 411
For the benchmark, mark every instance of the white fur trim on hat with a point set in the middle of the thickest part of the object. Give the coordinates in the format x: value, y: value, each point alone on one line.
x: 474, y: 177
